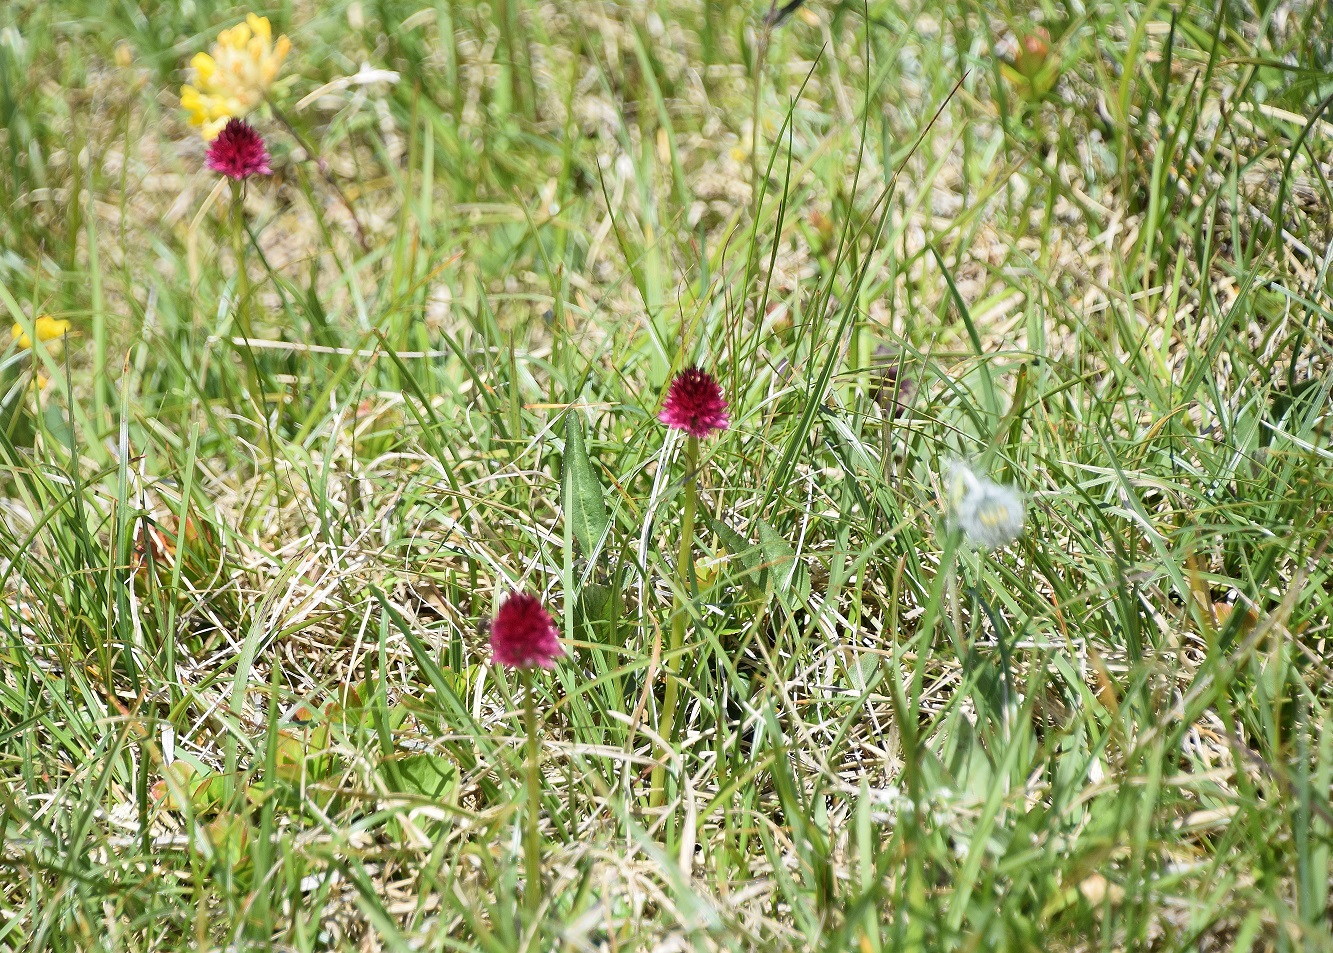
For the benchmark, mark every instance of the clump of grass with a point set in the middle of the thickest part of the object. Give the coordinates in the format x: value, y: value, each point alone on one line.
x: 244, y: 577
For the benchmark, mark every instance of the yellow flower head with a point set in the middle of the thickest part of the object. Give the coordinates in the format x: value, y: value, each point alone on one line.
x: 48, y: 329
x: 232, y: 80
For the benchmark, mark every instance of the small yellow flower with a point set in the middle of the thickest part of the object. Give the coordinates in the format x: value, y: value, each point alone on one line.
x: 48, y: 329
x: 232, y: 80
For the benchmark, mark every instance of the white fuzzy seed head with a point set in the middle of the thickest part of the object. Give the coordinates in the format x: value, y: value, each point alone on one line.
x: 990, y: 515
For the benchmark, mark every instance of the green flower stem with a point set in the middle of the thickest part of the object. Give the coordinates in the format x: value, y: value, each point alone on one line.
x: 942, y: 591
x: 532, y: 835
x: 238, y: 246
x: 679, y: 616
x: 243, y: 291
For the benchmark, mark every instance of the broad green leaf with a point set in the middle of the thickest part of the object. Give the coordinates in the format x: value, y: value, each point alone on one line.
x: 779, y: 557
x: 185, y: 779
x: 595, y: 602
x: 229, y: 836
x: 429, y: 775
x: 585, y: 506
x: 301, y: 753
x: 787, y: 577
x: 745, y: 551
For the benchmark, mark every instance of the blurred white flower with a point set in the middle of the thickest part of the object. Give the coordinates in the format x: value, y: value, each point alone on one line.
x: 365, y: 76
x: 13, y: 39
x: 990, y: 515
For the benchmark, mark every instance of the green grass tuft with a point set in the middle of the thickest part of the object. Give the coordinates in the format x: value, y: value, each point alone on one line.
x: 247, y: 699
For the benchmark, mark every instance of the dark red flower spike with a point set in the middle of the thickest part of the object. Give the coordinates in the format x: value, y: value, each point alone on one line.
x: 523, y: 634
x: 238, y: 152
x: 694, y: 404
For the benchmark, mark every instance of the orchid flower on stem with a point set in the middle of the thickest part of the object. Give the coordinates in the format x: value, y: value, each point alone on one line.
x: 695, y: 405
x: 524, y: 637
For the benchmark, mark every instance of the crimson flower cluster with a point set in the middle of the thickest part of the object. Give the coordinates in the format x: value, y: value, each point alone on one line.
x: 523, y: 634
x: 239, y: 152
x: 694, y: 404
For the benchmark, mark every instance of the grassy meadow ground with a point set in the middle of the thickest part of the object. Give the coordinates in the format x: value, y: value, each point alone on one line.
x: 246, y: 699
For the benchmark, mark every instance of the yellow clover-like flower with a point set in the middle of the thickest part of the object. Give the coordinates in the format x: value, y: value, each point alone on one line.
x: 232, y: 80
x: 47, y: 328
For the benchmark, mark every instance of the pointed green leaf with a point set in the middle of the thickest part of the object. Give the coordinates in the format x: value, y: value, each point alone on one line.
x: 789, y: 578
x: 779, y: 557
x: 752, y: 578
x: 584, y: 502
